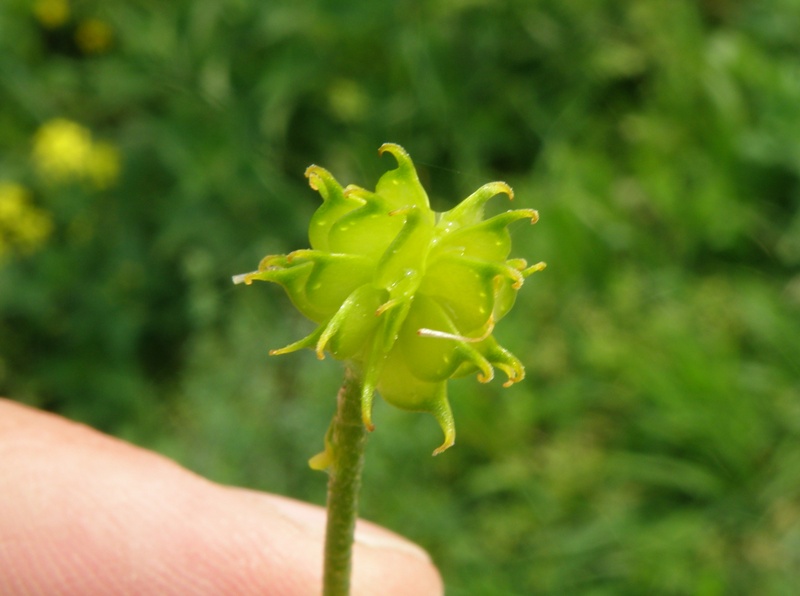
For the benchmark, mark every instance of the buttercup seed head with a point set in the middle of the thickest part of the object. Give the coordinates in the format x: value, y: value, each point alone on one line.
x: 408, y: 295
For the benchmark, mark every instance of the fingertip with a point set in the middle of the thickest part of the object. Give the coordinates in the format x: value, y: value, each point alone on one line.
x: 132, y: 521
x: 389, y: 564
x: 383, y: 562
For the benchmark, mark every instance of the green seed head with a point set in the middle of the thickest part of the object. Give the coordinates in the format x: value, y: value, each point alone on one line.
x: 408, y: 295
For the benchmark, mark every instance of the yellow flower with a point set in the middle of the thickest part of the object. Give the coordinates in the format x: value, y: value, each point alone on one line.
x: 93, y: 36
x: 63, y: 151
x: 21, y: 224
x: 51, y: 13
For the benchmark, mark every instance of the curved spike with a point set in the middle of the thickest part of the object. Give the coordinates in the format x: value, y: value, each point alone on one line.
x: 373, y: 367
x: 335, y: 205
x: 358, y: 192
x: 506, y: 270
x: 271, y: 262
x: 444, y: 416
x: 515, y: 374
x: 244, y: 278
x: 377, y: 202
x: 488, y: 239
x: 505, y: 361
x: 470, y: 211
x: 400, y: 154
x: 307, y: 342
x: 329, y: 188
x: 351, y: 304
x: 540, y: 266
x: 388, y: 305
x: 323, y: 182
x: 502, y: 220
x: 277, y: 274
x: 478, y: 360
x: 399, y: 268
x: 367, y: 398
x: 401, y: 186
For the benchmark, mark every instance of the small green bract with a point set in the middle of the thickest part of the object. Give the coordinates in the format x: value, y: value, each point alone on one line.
x: 407, y: 295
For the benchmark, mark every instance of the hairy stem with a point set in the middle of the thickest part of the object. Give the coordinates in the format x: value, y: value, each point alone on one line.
x: 348, y: 439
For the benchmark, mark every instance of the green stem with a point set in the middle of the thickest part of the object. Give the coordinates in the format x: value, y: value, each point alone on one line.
x: 348, y: 439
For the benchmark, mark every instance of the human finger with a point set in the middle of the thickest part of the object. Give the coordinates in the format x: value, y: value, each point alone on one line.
x: 83, y: 513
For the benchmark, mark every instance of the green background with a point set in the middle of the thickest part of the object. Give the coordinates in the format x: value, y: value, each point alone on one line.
x: 654, y: 447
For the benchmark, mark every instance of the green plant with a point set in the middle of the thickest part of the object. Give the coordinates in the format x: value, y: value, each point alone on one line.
x: 408, y: 298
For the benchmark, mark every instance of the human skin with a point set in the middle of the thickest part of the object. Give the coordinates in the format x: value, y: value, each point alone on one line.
x: 86, y: 514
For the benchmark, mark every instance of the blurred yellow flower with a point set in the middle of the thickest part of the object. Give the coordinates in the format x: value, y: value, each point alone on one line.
x: 63, y: 151
x: 51, y: 13
x: 21, y: 224
x: 93, y: 36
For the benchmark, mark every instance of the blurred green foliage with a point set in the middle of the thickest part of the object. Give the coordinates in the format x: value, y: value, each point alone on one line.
x: 654, y: 447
